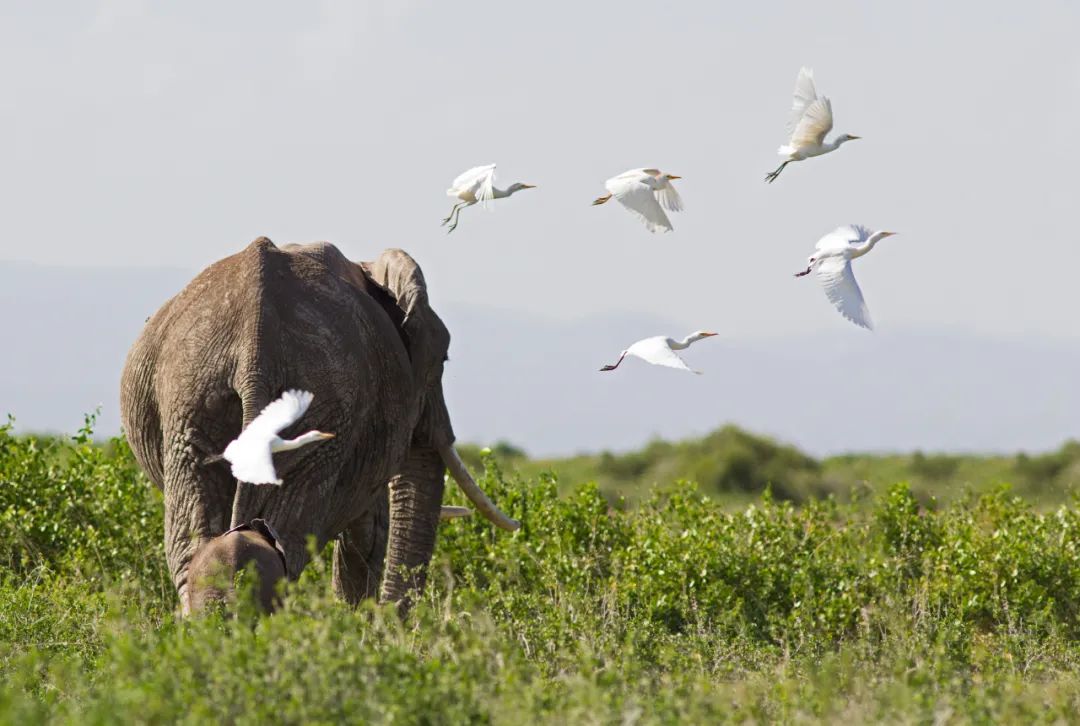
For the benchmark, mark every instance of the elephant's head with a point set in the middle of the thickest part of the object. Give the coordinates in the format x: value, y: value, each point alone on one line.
x: 416, y: 492
x: 211, y: 571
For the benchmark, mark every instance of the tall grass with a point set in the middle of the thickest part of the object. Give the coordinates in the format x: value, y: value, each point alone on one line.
x: 682, y: 609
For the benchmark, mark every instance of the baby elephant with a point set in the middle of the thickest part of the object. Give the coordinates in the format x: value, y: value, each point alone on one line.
x: 214, y: 565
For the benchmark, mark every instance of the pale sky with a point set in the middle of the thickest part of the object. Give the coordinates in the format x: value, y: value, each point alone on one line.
x: 145, y: 134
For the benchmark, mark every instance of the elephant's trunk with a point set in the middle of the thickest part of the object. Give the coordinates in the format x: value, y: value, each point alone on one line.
x: 473, y: 491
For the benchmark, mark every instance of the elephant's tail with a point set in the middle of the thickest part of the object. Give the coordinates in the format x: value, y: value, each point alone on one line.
x: 253, y: 399
x: 255, y: 373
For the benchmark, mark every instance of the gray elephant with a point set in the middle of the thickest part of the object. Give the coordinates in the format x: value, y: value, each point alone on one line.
x: 363, y: 339
x: 210, y: 575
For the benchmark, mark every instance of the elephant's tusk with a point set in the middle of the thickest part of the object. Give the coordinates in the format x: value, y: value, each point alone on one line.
x: 448, y: 513
x: 472, y: 490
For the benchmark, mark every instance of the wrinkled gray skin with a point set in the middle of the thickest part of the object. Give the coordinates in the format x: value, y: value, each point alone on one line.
x: 211, y: 570
x: 363, y: 339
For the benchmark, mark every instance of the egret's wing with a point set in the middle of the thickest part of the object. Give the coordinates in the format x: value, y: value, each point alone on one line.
x: 485, y: 187
x: 252, y: 461
x: 638, y: 197
x: 841, y: 288
x: 843, y: 237
x: 657, y: 352
x: 636, y: 174
x: 281, y: 413
x: 669, y: 197
x: 804, y: 95
x: 816, y: 121
x: 479, y: 180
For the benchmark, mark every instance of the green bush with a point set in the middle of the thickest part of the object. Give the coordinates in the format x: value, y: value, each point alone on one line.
x: 76, y: 508
x: 684, y: 608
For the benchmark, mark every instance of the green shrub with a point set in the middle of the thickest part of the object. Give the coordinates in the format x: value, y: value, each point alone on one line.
x: 684, y: 608
x: 80, y: 509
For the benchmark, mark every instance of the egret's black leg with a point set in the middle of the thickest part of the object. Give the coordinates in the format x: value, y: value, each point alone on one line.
x: 613, y: 367
x: 456, y: 207
x: 456, y: 215
x: 771, y: 177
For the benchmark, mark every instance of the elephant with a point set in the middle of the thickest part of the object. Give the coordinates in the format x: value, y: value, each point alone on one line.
x: 213, y: 565
x: 364, y: 340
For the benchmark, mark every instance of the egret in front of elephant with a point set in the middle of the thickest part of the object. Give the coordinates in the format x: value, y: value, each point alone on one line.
x: 251, y: 453
x: 832, y: 260
x: 660, y: 351
x: 810, y: 120
x: 477, y: 185
x: 646, y: 193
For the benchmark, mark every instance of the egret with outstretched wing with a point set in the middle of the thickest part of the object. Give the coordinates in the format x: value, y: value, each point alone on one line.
x: 660, y: 351
x: 251, y: 453
x: 832, y: 260
x: 646, y: 193
x: 477, y: 185
x: 809, y: 121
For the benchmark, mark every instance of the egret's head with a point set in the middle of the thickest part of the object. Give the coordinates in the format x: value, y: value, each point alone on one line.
x: 518, y: 186
x: 703, y: 334
x: 847, y: 137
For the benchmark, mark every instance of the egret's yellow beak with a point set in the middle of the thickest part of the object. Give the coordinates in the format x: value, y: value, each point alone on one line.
x: 528, y: 186
x: 887, y: 234
x: 709, y: 335
x: 672, y: 176
x: 326, y: 436
x: 853, y: 136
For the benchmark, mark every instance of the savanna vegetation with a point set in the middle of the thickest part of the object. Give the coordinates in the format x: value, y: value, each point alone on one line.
x: 776, y: 588
x: 737, y: 466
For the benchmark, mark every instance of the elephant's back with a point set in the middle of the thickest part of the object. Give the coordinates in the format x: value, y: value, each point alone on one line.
x: 248, y: 327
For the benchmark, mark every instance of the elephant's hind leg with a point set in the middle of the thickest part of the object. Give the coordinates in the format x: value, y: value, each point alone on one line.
x: 360, y: 553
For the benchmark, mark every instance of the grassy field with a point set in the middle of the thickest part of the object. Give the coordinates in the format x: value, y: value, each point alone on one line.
x: 694, y: 604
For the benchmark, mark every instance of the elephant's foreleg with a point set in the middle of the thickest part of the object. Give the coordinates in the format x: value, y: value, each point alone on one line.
x: 360, y: 551
x: 415, y: 498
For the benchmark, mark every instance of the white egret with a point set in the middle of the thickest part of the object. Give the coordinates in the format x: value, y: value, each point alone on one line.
x: 251, y: 452
x: 477, y: 185
x: 832, y: 259
x: 809, y: 121
x: 646, y: 193
x: 660, y: 351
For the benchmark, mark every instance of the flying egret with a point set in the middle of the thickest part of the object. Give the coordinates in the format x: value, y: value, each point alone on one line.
x: 660, y: 351
x: 250, y: 453
x: 477, y: 185
x: 646, y: 193
x: 809, y: 121
x: 832, y: 259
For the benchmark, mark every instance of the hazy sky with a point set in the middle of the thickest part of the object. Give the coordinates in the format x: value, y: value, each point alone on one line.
x: 146, y: 134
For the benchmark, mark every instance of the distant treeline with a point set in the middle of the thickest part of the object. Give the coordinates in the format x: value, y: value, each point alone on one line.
x: 737, y: 465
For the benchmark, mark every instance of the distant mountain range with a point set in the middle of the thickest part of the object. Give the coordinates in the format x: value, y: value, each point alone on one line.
x: 534, y: 381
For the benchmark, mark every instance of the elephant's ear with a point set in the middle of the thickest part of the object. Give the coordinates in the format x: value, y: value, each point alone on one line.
x: 267, y: 532
x: 270, y: 535
x: 398, y: 274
